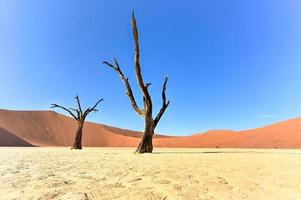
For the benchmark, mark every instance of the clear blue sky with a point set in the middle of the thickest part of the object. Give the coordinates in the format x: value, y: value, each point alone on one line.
x: 232, y: 64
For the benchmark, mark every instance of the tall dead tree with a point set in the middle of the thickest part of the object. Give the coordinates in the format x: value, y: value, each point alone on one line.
x: 145, y: 145
x: 80, y: 117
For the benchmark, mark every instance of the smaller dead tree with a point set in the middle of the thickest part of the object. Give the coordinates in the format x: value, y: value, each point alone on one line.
x: 80, y: 117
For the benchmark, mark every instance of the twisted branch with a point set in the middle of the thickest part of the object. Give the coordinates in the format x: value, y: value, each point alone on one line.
x: 66, y: 109
x: 164, y: 103
x: 129, y: 93
x: 142, y: 86
x: 79, y: 106
x: 91, y: 109
x: 80, y: 115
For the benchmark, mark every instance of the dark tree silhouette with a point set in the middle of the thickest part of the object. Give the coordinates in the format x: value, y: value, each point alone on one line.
x: 145, y: 146
x: 80, y: 117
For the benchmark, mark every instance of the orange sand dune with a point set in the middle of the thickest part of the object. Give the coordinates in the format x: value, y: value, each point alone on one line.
x: 48, y: 128
x: 286, y: 134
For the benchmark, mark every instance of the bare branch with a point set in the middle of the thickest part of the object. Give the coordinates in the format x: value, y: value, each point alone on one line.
x: 110, y: 65
x: 147, y: 84
x: 164, y: 103
x: 77, y: 112
x: 137, y: 62
x: 91, y: 109
x: 69, y: 111
x: 127, y: 86
x: 116, y: 63
x: 79, y: 106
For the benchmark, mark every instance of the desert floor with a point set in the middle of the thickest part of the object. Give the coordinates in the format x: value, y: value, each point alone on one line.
x: 117, y: 173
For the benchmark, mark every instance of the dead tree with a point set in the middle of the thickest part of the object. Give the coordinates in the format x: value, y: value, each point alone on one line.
x: 145, y: 145
x: 80, y: 117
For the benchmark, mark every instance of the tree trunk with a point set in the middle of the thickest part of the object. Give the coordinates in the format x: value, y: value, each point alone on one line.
x: 78, y: 138
x: 146, y: 143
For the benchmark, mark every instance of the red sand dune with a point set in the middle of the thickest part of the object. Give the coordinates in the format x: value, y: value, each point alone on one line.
x: 48, y: 128
x: 286, y: 134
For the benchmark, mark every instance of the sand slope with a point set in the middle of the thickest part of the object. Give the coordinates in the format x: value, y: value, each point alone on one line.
x: 107, y: 173
x: 48, y: 128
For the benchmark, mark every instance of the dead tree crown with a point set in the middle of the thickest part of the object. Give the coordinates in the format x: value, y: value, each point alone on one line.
x: 147, y: 109
x: 78, y: 113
